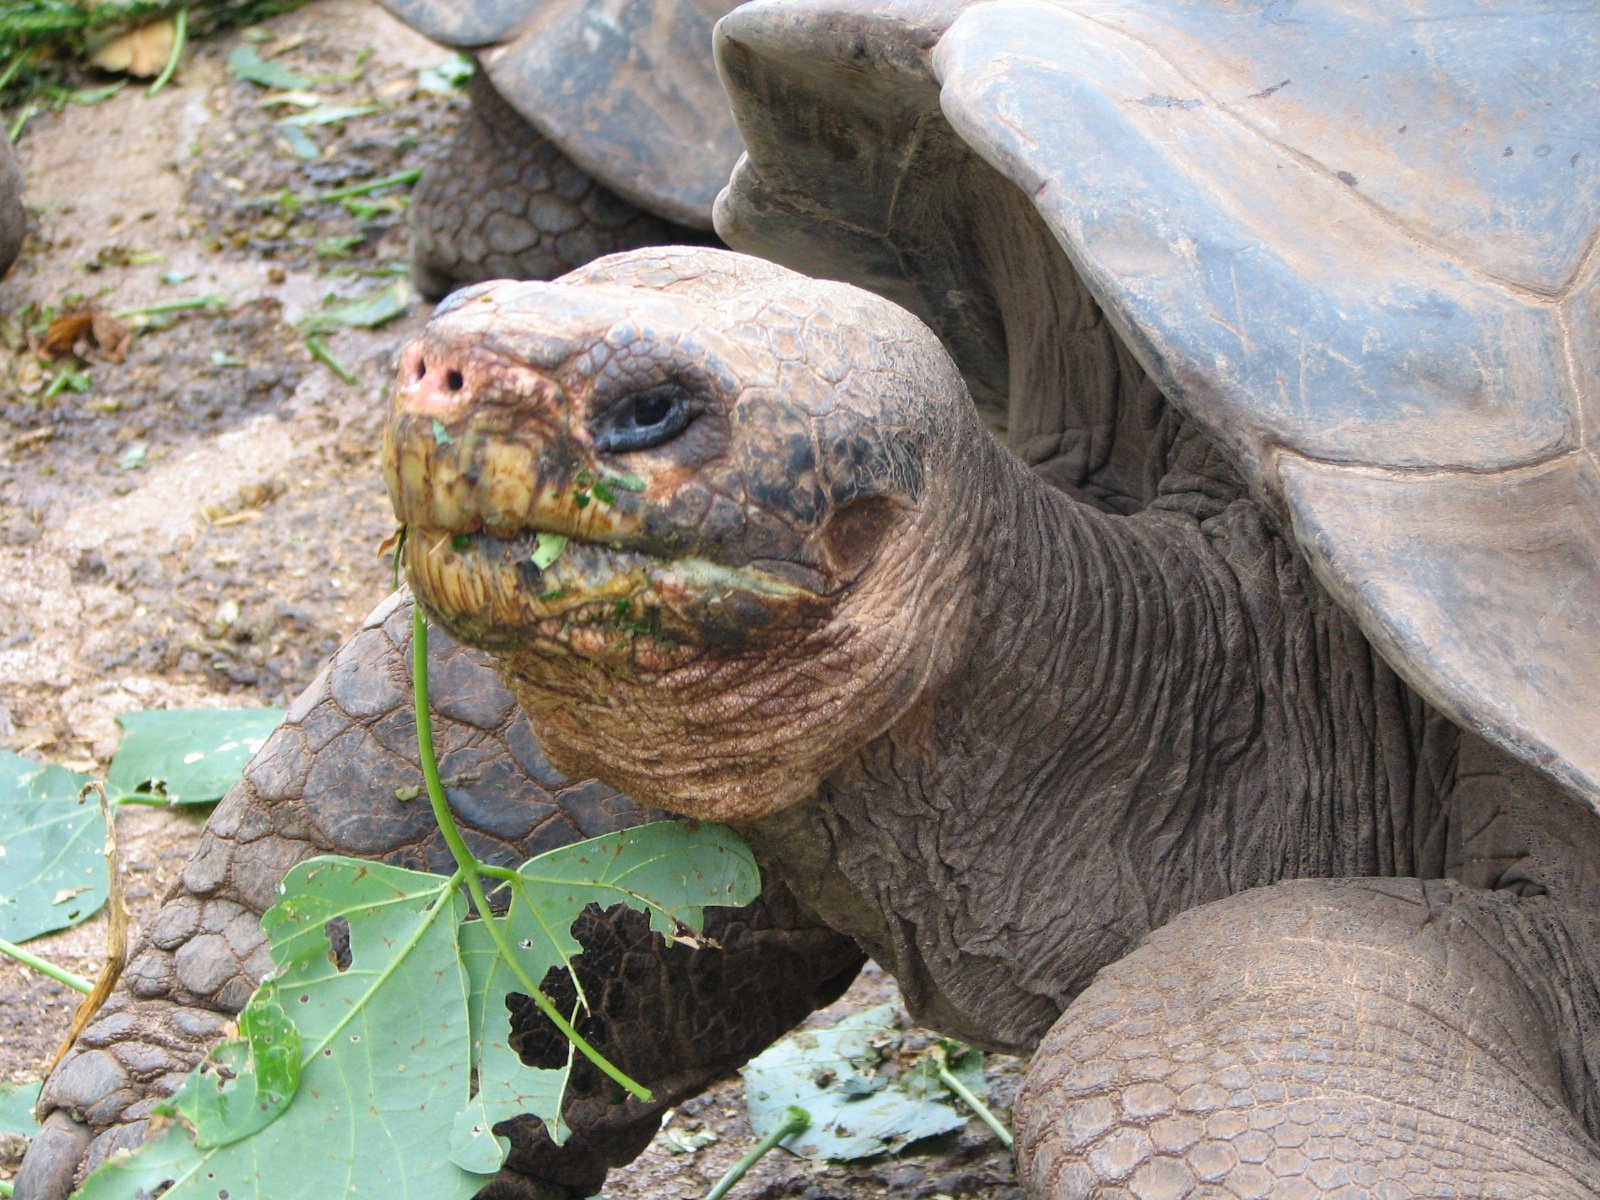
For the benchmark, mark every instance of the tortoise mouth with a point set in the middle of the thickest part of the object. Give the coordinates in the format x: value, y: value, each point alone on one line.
x: 536, y: 590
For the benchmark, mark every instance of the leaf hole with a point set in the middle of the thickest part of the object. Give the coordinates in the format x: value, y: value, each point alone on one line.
x: 337, y: 931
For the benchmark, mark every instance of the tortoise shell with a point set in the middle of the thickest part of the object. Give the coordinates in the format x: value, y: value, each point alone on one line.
x: 625, y: 88
x: 1356, y: 242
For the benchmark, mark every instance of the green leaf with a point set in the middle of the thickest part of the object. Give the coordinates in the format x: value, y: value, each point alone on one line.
x: 300, y: 142
x: 668, y: 869
x: 187, y: 755
x: 858, y: 1109
x: 392, y: 1040
x: 449, y: 76
x: 243, y: 1086
x: 16, y: 1109
x: 629, y: 483
x: 547, y: 548
x: 52, y: 862
x: 246, y: 63
x: 384, y: 1053
x: 366, y: 313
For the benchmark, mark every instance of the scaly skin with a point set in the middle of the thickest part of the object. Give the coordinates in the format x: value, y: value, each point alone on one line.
x: 504, y: 203
x: 1092, y: 783
x: 674, y: 1017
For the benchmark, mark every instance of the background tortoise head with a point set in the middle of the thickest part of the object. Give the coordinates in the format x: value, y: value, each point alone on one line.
x: 763, y: 485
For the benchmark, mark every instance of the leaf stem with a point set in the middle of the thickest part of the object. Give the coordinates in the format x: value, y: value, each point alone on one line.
x: 45, y: 967
x: 372, y: 185
x: 180, y: 34
x: 948, y: 1078
x: 474, y: 870
x: 795, y: 1120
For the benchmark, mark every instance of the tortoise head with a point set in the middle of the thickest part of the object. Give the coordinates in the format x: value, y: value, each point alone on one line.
x: 692, y: 503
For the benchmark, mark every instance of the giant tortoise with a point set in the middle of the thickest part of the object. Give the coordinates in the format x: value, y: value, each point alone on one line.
x: 1164, y: 632
x: 13, y: 217
x: 594, y: 126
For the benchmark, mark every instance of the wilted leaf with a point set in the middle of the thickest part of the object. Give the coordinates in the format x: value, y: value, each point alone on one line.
x: 246, y: 63
x: 187, y: 755
x: 143, y: 51
x: 134, y: 456
x: 49, y: 844
x: 857, y: 1108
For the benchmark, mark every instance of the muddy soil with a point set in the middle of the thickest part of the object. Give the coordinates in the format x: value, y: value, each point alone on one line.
x: 197, y: 524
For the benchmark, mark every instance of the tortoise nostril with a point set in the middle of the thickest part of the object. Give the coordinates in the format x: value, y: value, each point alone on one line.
x: 422, y: 369
x: 453, y: 381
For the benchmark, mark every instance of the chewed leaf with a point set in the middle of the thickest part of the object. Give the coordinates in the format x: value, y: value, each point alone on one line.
x: 52, y: 866
x: 669, y: 869
x: 243, y: 1085
x: 381, y: 1074
x: 858, y: 1108
x: 188, y: 756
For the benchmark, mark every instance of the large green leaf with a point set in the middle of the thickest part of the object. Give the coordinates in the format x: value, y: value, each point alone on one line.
x: 187, y: 755
x: 52, y: 849
x: 383, y: 1055
x: 845, y: 1078
x: 390, y: 1042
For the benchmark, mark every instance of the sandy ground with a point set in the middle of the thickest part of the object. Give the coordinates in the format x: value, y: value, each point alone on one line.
x: 199, y: 526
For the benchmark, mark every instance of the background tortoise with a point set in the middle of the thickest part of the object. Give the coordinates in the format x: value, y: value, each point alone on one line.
x: 594, y: 126
x: 1291, y: 928
x: 13, y: 219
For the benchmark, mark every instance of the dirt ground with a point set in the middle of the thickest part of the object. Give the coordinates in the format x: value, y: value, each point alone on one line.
x: 198, y: 526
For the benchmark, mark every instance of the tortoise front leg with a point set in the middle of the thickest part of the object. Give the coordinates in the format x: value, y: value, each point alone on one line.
x: 332, y: 781
x: 1355, y: 1038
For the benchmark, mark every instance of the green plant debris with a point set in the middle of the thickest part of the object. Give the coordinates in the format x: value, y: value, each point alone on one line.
x: 329, y: 114
x: 222, y: 358
x: 339, y: 245
x: 180, y: 37
x: 16, y: 1109
x: 603, y: 493
x: 447, y: 77
x: 319, y: 351
x: 177, y: 275
x: 844, y: 1078
x: 441, y: 435
x: 461, y: 541
x: 368, y: 312
x: 246, y: 63
x: 300, y: 143
x: 52, y: 870
x: 134, y: 457
x: 52, y: 874
x: 96, y: 95
x: 547, y: 548
x: 382, y: 1074
x: 162, y: 308
x: 187, y: 756
x: 629, y: 483
x: 398, y: 179
x: 552, y: 595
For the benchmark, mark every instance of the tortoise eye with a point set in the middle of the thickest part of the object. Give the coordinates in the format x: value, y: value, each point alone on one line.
x: 644, y: 419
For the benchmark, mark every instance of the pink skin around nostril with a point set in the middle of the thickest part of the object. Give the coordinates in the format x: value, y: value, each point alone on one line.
x: 433, y: 386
